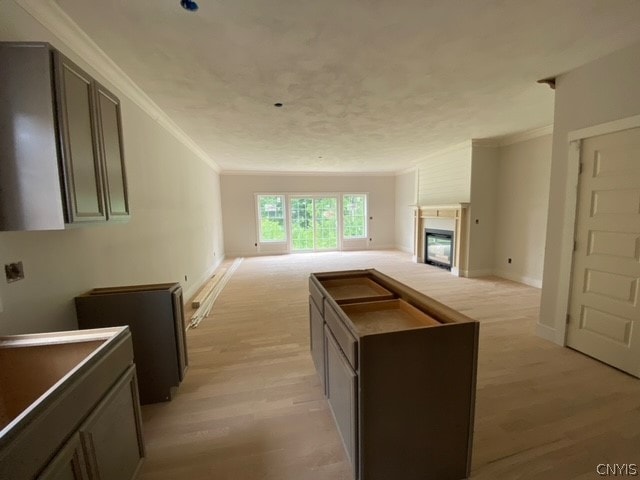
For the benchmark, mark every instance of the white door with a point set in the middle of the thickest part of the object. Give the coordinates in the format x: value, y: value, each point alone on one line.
x: 604, y: 315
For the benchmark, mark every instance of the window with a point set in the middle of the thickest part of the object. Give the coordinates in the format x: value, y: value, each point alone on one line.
x: 271, y: 218
x: 354, y: 216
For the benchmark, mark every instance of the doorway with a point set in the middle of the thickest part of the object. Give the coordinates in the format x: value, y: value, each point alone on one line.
x: 314, y: 223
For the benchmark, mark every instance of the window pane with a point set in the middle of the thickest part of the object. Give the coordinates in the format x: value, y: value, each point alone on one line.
x: 354, y: 216
x: 271, y: 216
x: 302, y: 223
x: 327, y: 223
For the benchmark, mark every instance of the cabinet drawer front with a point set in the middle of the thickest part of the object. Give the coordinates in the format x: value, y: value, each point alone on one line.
x: 317, y: 296
x: 343, y: 336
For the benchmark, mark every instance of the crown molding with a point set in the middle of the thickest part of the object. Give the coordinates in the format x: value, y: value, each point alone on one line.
x: 453, y: 148
x: 273, y: 173
x: 54, y: 19
x: 485, y: 142
x: 406, y: 170
x: 523, y: 136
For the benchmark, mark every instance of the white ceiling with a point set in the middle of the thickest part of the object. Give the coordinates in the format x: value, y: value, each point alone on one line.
x: 371, y: 85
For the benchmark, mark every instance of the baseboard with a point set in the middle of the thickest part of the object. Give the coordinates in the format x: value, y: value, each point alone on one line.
x: 403, y: 248
x: 546, y: 332
x: 381, y: 247
x: 481, y: 272
x: 191, y: 291
x: 532, y: 282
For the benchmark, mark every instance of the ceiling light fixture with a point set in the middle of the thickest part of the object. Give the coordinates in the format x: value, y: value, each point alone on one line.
x: 189, y: 5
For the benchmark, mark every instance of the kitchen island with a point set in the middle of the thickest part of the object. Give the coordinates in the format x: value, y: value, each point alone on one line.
x: 399, y: 371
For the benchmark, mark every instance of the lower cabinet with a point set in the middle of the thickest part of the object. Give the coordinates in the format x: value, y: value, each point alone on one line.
x: 108, y: 445
x: 399, y: 374
x: 341, y: 393
x: 68, y: 464
x: 111, y: 437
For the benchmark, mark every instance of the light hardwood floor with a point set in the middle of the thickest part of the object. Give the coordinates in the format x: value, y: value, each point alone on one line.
x: 251, y: 406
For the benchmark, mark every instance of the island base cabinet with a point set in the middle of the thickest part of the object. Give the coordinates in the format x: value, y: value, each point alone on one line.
x: 400, y: 375
x: 111, y: 436
x: 341, y: 393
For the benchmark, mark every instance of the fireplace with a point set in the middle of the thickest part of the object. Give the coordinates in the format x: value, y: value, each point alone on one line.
x: 439, y: 248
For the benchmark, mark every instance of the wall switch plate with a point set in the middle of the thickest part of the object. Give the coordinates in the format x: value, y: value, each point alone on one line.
x: 14, y: 271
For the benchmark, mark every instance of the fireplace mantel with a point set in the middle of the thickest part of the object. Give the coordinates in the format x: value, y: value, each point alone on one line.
x: 452, y: 217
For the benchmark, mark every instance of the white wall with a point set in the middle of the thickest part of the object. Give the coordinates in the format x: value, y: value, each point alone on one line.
x: 599, y: 92
x: 238, y: 204
x: 175, y: 229
x: 521, y: 210
x: 405, y: 199
x: 482, y: 211
x: 445, y: 178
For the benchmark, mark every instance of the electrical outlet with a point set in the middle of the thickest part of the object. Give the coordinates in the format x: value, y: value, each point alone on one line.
x: 14, y: 271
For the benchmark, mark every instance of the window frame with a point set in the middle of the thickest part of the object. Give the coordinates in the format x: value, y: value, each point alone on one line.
x: 259, y: 217
x: 365, y: 215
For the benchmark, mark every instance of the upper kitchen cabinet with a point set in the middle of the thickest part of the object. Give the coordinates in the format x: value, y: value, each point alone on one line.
x: 79, y: 145
x: 61, y: 155
x: 111, y: 152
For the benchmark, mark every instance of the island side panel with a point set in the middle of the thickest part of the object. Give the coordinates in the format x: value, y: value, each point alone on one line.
x: 416, y: 403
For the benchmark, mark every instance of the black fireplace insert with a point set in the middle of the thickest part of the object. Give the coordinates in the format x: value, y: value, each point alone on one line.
x: 438, y: 248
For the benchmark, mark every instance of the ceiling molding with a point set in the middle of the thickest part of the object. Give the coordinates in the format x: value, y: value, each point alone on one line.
x: 485, y: 142
x: 523, y: 136
x: 406, y: 170
x: 305, y: 174
x: 54, y: 19
x: 453, y: 148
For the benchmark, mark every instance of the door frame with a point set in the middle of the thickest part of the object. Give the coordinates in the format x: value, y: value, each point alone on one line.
x: 575, y: 138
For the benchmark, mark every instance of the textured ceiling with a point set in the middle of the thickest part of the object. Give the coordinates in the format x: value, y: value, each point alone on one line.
x: 372, y: 85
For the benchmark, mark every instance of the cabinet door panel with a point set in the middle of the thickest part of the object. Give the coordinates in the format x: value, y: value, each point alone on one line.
x: 341, y: 391
x: 68, y: 464
x: 112, y: 437
x: 81, y: 166
x: 317, y: 340
x: 110, y: 122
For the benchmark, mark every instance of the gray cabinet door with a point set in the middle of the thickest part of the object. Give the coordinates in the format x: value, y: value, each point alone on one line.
x: 80, y: 157
x: 316, y: 327
x: 112, y: 435
x: 342, y: 395
x: 112, y: 152
x: 68, y: 464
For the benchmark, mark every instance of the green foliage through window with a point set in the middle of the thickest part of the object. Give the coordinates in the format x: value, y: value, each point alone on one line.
x: 314, y: 223
x: 354, y: 216
x: 271, y: 216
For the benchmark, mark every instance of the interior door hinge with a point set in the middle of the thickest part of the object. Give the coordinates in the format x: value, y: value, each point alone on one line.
x: 575, y: 245
x: 568, y: 318
x: 580, y: 168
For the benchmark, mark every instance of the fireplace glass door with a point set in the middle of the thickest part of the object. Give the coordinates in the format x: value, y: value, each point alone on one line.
x: 439, y: 248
